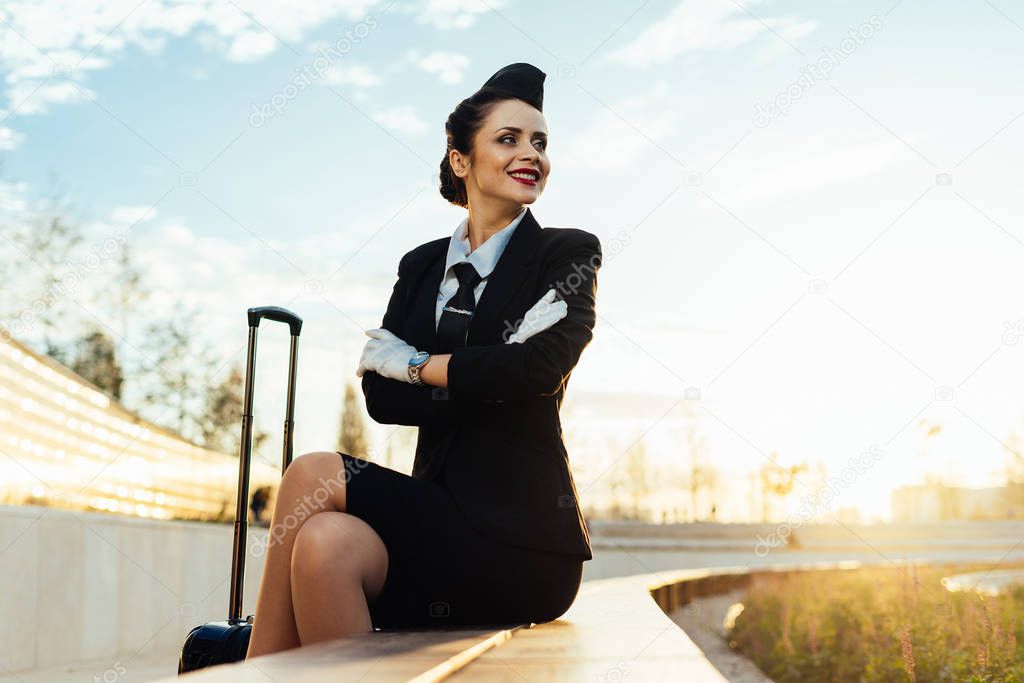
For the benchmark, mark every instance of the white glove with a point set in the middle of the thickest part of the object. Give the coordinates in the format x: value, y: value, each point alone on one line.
x: 542, y: 315
x: 386, y: 354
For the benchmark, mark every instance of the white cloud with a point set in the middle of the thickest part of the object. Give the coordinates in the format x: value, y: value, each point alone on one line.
x: 616, y: 138
x: 12, y: 198
x: 449, y: 14
x: 783, y: 160
x: 449, y: 66
x: 354, y: 74
x: 790, y: 28
x: 129, y: 215
x: 402, y: 119
x: 779, y: 161
x: 696, y: 25
x: 35, y: 98
x: 67, y: 40
x: 249, y: 46
x: 177, y: 235
x: 9, y: 138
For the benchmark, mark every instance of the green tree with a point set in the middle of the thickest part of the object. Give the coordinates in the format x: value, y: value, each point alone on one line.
x: 95, y: 359
x: 352, y: 437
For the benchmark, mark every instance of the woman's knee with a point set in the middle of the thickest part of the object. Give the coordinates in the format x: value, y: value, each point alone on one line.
x: 332, y: 544
x: 315, y: 479
x: 322, y: 548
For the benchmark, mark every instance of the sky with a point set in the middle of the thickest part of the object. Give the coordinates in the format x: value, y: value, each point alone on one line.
x: 810, y: 212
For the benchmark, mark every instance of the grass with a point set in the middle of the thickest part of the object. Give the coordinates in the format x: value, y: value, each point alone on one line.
x: 880, y: 624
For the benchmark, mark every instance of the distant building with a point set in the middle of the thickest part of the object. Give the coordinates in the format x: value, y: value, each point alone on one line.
x: 848, y: 515
x: 70, y: 445
x: 935, y: 502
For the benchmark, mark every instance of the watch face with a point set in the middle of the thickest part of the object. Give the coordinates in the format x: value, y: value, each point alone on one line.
x: 419, y: 359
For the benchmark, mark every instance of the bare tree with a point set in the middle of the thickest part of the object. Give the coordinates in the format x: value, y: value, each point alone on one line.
x: 777, y: 482
x: 178, y: 367
x: 1014, y: 472
x: 616, y: 485
x: 125, y: 295
x: 34, y: 274
x: 702, y: 475
x: 636, y: 476
x: 220, y: 424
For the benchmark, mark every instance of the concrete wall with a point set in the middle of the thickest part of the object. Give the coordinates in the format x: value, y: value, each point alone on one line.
x: 86, y: 586
x: 78, y: 586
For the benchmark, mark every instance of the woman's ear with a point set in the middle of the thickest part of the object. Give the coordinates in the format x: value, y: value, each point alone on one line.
x: 457, y: 162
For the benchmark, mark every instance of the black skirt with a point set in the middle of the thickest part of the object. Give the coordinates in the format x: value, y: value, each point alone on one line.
x: 443, y: 572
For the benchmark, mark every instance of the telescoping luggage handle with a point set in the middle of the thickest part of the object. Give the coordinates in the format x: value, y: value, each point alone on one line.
x: 294, y: 322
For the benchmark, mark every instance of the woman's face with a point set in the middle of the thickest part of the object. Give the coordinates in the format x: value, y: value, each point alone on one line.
x: 513, y: 137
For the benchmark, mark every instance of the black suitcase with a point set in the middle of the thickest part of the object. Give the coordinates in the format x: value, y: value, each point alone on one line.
x: 219, y: 642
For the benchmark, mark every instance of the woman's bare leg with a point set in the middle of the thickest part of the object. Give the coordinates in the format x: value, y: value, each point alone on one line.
x: 338, y: 563
x: 312, y: 484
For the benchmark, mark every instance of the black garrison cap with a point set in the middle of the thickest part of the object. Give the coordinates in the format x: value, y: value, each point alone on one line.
x: 520, y: 80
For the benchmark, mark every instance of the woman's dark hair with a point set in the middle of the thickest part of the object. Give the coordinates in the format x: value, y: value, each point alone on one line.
x: 461, y: 126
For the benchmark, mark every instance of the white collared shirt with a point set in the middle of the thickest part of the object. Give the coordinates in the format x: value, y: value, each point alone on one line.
x: 484, y: 258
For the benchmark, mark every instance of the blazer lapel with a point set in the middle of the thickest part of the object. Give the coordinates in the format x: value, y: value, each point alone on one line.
x: 422, y: 316
x: 503, y: 281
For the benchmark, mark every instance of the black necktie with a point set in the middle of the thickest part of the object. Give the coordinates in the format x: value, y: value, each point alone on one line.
x: 454, y: 324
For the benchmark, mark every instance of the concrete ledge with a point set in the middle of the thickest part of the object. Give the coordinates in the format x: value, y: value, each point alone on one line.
x: 615, y: 625
x: 614, y: 631
x: 413, y: 655
x: 620, y: 627
x: 616, y: 628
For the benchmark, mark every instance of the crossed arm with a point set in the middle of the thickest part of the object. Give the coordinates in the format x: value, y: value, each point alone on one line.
x: 496, y: 372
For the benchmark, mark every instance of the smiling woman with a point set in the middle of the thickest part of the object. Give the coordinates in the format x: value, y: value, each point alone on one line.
x: 487, y: 155
x: 488, y: 528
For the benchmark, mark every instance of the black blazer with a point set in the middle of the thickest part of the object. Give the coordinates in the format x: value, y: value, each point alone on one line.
x: 493, y: 437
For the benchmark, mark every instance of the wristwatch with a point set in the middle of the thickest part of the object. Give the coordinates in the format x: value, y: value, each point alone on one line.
x: 415, y: 364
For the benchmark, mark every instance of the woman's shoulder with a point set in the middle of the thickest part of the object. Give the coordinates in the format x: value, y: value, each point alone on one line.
x: 426, y: 251
x: 558, y: 239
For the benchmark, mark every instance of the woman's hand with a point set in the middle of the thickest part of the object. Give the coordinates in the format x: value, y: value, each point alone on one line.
x: 386, y: 354
x: 542, y: 315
